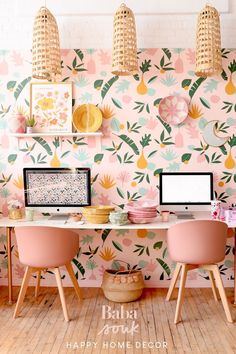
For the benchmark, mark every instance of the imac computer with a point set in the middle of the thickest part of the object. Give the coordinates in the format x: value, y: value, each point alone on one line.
x: 186, y: 192
x: 57, y: 190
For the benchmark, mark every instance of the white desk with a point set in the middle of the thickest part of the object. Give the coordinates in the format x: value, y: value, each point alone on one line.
x: 158, y: 225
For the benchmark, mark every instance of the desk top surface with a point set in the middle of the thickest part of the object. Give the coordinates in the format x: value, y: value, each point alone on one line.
x: 157, y: 225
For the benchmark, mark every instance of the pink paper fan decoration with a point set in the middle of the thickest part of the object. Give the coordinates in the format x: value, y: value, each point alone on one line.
x: 173, y: 109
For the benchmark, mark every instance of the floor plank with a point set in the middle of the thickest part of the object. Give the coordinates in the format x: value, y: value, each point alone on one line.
x: 41, y: 327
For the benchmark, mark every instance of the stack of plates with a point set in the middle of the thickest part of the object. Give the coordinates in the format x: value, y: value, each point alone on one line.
x: 97, y: 214
x: 142, y: 211
x: 118, y: 217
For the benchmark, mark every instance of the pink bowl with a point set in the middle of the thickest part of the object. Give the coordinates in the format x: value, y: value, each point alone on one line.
x: 142, y: 214
x: 142, y: 220
x: 149, y: 210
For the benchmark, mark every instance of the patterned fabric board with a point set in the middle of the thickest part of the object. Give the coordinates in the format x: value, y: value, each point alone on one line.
x: 137, y: 145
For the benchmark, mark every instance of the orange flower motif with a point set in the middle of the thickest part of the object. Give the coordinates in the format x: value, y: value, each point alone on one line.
x: 107, y: 254
x: 19, y: 182
x: 195, y: 111
x: 107, y: 112
x: 66, y: 95
x: 46, y: 103
x: 107, y: 182
x: 53, y: 121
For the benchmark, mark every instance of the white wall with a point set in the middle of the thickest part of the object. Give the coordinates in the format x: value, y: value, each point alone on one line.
x: 89, y: 24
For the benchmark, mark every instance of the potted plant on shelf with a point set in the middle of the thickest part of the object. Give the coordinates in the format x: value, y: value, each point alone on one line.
x: 30, y: 123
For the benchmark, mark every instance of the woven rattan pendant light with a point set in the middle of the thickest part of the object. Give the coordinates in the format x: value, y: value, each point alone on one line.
x: 124, y: 55
x: 208, y: 50
x: 46, y: 58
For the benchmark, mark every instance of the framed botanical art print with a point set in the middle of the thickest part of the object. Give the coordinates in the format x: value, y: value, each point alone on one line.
x: 51, y: 106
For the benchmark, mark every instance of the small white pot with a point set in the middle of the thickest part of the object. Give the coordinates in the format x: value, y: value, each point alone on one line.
x: 29, y: 130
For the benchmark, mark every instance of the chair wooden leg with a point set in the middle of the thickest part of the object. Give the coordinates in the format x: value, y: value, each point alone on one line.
x: 181, y: 292
x: 61, y: 293
x: 173, y: 281
x: 23, y: 289
x: 213, y: 285
x: 37, y: 283
x: 71, y: 273
x: 221, y: 289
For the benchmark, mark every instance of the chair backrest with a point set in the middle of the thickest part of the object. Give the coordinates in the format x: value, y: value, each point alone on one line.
x: 197, y: 241
x: 46, y: 246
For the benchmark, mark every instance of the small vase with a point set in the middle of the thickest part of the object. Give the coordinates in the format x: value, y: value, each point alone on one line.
x: 15, y: 213
x: 17, y: 123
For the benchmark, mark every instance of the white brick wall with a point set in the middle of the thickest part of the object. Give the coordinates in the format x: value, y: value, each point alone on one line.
x: 89, y: 24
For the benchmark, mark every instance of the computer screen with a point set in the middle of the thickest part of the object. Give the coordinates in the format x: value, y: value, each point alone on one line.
x: 57, y: 190
x: 186, y: 191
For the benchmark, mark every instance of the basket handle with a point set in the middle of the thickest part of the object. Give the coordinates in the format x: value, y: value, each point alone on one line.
x: 124, y: 271
x: 121, y: 271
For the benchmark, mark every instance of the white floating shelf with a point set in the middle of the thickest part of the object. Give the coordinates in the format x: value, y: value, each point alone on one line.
x: 34, y: 135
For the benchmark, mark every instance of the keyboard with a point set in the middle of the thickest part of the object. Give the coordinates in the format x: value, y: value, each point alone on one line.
x: 185, y: 216
x: 62, y: 217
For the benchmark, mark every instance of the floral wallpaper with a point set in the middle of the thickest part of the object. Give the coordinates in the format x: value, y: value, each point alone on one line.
x: 136, y: 146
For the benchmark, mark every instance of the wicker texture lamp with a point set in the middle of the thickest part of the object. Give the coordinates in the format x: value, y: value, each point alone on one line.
x: 46, y: 58
x: 208, y: 51
x: 124, y: 55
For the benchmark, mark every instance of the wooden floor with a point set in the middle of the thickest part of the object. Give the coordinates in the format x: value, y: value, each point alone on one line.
x: 42, y: 329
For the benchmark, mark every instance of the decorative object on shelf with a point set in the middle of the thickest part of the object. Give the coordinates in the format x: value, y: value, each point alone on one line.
x: 15, y: 209
x: 17, y: 121
x: 118, y: 217
x: 210, y: 136
x: 208, y: 49
x: 30, y: 124
x: 173, y: 109
x: 215, y: 209
x: 124, y: 54
x: 122, y: 286
x: 51, y: 106
x: 29, y: 214
x: 165, y: 214
x: 97, y: 214
x: 87, y: 118
x: 46, y: 57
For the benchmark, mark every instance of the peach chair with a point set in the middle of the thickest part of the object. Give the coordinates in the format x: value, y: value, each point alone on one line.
x: 46, y: 247
x: 197, y: 244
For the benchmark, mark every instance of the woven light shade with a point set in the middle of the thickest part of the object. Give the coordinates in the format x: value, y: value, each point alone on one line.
x: 124, y: 55
x: 46, y: 58
x: 208, y: 51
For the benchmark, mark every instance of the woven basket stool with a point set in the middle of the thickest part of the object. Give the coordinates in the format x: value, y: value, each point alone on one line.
x: 122, y: 286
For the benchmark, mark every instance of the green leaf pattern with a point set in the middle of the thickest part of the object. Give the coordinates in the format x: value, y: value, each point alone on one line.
x: 132, y: 128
